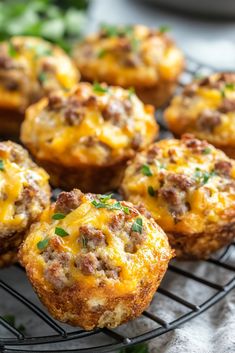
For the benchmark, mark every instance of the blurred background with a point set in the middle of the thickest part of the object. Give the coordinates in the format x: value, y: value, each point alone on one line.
x: 204, y: 29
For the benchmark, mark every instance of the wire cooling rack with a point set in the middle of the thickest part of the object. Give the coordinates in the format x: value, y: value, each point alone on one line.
x: 44, y: 334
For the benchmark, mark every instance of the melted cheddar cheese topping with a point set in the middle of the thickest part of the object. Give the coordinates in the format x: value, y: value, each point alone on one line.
x: 93, y: 124
x: 187, y: 185
x: 129, y: 56
x: 14, y: 179
x: 30, y: 68
x: 206, y: 108
x: 132, y: 266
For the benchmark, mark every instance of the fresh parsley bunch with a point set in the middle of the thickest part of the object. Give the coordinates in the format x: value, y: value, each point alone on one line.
x: 57, y: 21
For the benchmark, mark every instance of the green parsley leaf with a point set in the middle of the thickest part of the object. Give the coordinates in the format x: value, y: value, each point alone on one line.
x: 139, y: 348
x: 116, y: 31
x: 164, y: 29
x: 126, y: 209
x: 135, y: 44
x: 203, y: 177
x: 137, y: 225
x: 105, y: 197
x: 42, y: 76
x: 99, y: 88
x: 1, y: 165
x: 230, y: 86
x: 131, y: 91
x: 57, y: 216
x: 206, y: 150
x: 11, y: 50
x: 84, y: 242
x: 151, y: 191
x: 10, y: 319
x: 42, y: 244
x: 115, y: 206
x: 101, y: 53
x: 61, y: 232
x: 145, y: 169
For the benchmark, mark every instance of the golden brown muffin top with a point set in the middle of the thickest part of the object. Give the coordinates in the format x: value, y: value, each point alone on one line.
x: 206, y: 108
x: 188, y: 185
x: 96, y: 241
x: 131, y: 55
x: 34, y: 67
x: 24, y: 189
x: 90, y: 125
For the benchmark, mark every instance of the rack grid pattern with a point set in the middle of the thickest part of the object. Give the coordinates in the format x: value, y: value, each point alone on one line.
x: 20, y: 343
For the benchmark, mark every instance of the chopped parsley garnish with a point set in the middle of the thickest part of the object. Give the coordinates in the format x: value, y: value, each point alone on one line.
x: 99, y: 88
x: 203, y: 177
x: 228, y: 86
x: 151, y: 191
x: 206, y: 150
x: 84, y: 242
x: 1, y: 165
x: 116, y: 31
x: 57, y: 216
x: 137, y: 225
x: 139, y: 348
x: 135, y: 44
x: 61, y: 232
x: 164, y: 29
x: 10, y: 319
x: 145, y: 169
x: 102, y: 203
x: 131, y: 91
x: 101, y: 53
x: 11, y: 50
x: 42, y: 76
x: 42, y: 244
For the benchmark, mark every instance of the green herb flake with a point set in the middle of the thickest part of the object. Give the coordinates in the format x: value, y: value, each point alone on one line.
x: 135, y: 44
x: 203, y: 177
x: 230, y: 86
x: 137, y: 225
x: 61, y: 232
x: 116, y: 31
x: 84, y: 242
x: 164, y: 29
x: 99, y: 88
x: 139, y: 348
x: 10, y: 319
x: 102, y: 53
x: 206, y: 150
x: 145, y: 169
x: 131, y: 91
x: 11, y: 50
x: 151, y: 191
x: 105, y: 197
x: 42, y: 76
x: 42, y: 244
x: 126, y: 209
x: 1, y: 165
x: 58, y: 216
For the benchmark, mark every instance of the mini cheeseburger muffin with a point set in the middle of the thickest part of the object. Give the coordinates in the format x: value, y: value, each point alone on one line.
x: 24, y: 193
x: 29, y: 69
x: 84, y: 137
x: 206, y: 108
x: 189, y: 188
x: 95, y: 261
x: 132, y: 56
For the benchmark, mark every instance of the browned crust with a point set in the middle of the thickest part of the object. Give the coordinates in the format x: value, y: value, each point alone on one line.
x: 157, y: 95
x: 201, y: 245
x: 10, y: 121
x: 9, y: 258
x: 96, y: 179
x: 71, y: 304
x: 9, y: 248
x: 228, y: 150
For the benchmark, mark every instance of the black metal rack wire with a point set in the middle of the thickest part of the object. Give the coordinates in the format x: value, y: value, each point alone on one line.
x: 114, y: 339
